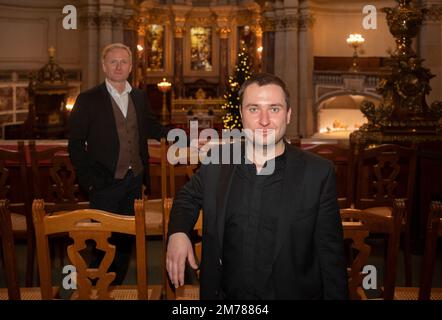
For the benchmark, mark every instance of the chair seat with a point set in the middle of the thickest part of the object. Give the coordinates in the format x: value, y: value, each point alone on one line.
x: 121, y: 293
x: 409, y: 293
x: 188, y: 292
x: 380, y: 211
x: 154, y: 217
x: 131, y: 293
x: 29, y: 293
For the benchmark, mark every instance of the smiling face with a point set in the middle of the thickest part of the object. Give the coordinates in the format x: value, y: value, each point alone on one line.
x: 265, y: 114
x: 117, y: 65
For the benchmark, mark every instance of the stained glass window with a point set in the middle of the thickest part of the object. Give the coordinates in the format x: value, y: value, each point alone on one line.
x: 201, y: 49
x: 155, y: 47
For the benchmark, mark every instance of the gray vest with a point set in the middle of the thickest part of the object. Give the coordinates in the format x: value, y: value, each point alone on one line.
x: 127, y: 128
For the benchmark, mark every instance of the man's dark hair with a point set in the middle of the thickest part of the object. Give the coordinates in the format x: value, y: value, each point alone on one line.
x: 262, y: 79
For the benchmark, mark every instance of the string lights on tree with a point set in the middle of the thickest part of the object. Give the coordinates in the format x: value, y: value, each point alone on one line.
x: 232, y: 117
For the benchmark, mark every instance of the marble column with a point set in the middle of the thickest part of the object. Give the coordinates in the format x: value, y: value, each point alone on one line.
x: 130, y: 37
x: 268, y: 40
x: 280, y: 61
x: 305, y: 70
x: 178, y: 77
x: 105, y: 36
x: 179, y: 12
x: 89, y: 45
x: 117, y: 22
x: 290, y: 74
x: 223, y: 58
x: 430, y: 47
x: 223, y: 14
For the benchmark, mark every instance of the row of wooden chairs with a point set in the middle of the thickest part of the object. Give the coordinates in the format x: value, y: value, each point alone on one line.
x: 48, y: 175
x: 376, y: 183
x: 81, y: 225
x: 52, y: 178
x: 375, y: 191
x: 395, y: 218
x: 46, y: 172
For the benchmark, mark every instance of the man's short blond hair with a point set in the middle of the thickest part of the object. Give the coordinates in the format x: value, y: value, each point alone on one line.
x: 115, y: 46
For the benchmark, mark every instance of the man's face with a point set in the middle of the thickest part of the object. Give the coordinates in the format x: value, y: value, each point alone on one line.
x: 264, y: 112
x: 117, y: 65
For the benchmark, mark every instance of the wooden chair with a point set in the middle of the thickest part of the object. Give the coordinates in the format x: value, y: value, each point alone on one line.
x: 157, y: 173
x: 54, y: 181
x: 14, y: 187
x: 188, y: 291
x: 390, y: 225
x: 8, y: 247
x: 13, y: 290
x: 382, y: 174
x: 171, y: 178
x: 180, y: 173
x: 340, y: 156
x: 356, y: 232
x: 96, y: 225
x: 425, y: 290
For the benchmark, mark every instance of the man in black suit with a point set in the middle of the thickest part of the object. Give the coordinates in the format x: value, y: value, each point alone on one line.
x: 265, y: 236
x: 108, y: 131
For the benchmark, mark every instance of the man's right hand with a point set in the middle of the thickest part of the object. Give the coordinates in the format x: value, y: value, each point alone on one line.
x: 179, y: 249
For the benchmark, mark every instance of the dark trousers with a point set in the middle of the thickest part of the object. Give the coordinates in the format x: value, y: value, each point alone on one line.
x: 118, y: 198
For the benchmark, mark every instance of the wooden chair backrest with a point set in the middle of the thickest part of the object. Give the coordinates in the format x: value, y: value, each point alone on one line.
x: 170, y: 292
x: 389, y: 225
x: 53, y: 176
x: 158, y: 168
x: 14, y: 186
x: 384, y: 173
x: 82, y: 225
x: 14, y: 180
x: 182, y: 171
x: 8, y: 249
x: 357, y: 233
x: 434, y: 231
x: 340, y: 156
x: 172, y: 176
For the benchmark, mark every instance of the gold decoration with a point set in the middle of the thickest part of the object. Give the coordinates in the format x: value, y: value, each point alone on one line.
x: 164, y: 86
x: 178, y: 32
x: 355, y: 40
x: 403, y: 115
x: 224, y: 32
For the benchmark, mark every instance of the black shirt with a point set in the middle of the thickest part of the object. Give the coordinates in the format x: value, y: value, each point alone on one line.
x: 250, y: 232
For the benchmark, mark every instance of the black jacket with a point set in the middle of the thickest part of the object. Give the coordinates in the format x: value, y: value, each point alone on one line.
x: 308, y: 260
x: 93, y: 137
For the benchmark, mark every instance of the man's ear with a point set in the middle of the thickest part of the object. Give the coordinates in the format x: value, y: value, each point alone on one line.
x: 289, y: 114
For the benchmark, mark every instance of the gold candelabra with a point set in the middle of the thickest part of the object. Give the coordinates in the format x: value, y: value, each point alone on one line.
x: 164, y: 86
x: 355, y: 40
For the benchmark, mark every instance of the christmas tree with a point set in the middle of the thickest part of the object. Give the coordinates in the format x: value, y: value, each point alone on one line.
x: 232, y: 117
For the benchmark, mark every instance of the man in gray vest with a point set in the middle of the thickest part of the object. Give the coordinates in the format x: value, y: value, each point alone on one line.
x: 108, y: 131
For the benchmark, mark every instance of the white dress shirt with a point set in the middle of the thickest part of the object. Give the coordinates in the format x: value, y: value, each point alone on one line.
x: 122, y: 99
